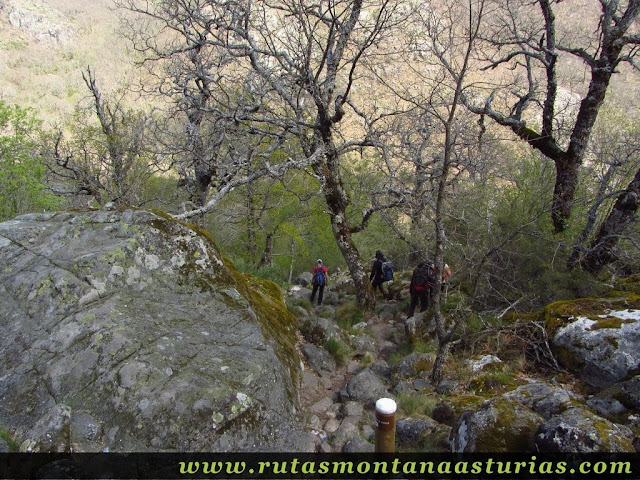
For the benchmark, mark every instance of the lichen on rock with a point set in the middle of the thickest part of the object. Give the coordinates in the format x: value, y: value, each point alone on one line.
x: 600, y: 346
x: 137, y: 325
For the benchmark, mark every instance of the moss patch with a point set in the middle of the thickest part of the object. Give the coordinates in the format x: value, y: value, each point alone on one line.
x: 609, y: 322
x: 491, y: 384
x: 265, y: 297
x: 629, y: 284
x: 560, y: 314
x: 5, y: 435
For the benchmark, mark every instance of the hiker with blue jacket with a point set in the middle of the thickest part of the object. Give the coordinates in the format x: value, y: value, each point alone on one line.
x: 377, y: 276
x: 319, y: 280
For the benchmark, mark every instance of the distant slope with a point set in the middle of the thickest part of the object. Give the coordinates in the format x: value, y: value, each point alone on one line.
x: 45, y: 45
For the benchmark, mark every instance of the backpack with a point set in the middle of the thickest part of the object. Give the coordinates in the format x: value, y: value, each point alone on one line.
x: 387, y: 271
x: 318, y: 277
x: 421, y: 278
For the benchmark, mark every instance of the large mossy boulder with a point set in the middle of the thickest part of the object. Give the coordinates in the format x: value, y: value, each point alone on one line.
x: 128, y: 331
x: 597, y: 339
x: 499, y: 425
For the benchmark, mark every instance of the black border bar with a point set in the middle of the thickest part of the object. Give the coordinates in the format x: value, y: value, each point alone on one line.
x: 271, y: 465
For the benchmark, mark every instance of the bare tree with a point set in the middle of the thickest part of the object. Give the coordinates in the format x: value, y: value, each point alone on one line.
x: 109, y: 162
x: 304, y: 60
x: 189, y: 76
x: 524, y: 38
x: 456, y: 59
x: 615, y: 148
x: 441, y: 136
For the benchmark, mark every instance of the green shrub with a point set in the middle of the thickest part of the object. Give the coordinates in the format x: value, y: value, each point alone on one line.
x: 338, y: 350
x: 416, y: 405
x: 348, y: 315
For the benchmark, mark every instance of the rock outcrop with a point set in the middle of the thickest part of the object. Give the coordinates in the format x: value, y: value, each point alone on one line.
x: 127, y: 331
x: 39, y: 20
x: 596, y: 339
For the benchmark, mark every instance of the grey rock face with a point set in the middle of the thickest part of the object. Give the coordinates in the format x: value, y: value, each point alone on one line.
x: 127, y: 331
x: 579, y: 431
x: 40, y: 20
x: 606, y: 351
x: 542, y: 398
x: 499, y: 425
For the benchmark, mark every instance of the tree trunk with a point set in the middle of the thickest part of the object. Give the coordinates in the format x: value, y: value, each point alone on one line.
x: 267, y: 255
x: 437, y: 374
x: 603, y: 246
x: 564, y: 190
x: 337, y: 202
x: 342, y: 234
x: 203, y: 176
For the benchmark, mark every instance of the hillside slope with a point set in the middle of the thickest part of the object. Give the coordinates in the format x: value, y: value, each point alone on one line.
x: 46, y: 44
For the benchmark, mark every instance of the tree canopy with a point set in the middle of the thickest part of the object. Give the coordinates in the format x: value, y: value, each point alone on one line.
x: 474, y: 132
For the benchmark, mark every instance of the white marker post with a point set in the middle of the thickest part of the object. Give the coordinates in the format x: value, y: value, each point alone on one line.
x: 385, y: 425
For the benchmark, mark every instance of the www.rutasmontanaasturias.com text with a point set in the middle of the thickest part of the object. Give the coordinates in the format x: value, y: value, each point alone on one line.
x: 534, y: 466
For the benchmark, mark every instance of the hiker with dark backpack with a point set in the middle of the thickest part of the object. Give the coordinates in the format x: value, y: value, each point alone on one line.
x: 381, y: 271
x: 318, y: 281
x: 420, y: 288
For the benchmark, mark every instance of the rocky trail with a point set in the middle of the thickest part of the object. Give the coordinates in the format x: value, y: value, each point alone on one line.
x: 485, y: 405
x: 335, y: 423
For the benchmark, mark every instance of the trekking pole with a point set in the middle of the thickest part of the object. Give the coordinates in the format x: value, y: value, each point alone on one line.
x: 385, y: 425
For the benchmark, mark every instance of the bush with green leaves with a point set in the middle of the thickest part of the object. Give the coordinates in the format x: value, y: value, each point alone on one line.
x: 22, y: 172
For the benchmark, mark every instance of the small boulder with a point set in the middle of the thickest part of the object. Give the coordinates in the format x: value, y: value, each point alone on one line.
x: 366, y: 387
x: 577, y: 430
x: 499, y: 425
x: 318, y: 359
x: 542, y: 398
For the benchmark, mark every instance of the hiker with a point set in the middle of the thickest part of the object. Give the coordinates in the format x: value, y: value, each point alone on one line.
x: 446, y: 273
x: 319, y: 281
x: 377, y: 277
x: 420, y: 288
